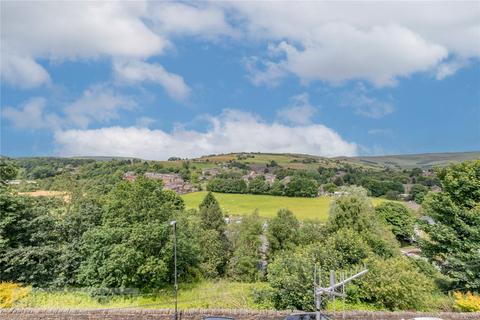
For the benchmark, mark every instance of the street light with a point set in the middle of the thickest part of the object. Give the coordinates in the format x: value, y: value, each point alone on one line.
x: 174, y: 224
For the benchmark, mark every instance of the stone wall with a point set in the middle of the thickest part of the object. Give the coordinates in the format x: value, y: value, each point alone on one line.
x: 168, y: 314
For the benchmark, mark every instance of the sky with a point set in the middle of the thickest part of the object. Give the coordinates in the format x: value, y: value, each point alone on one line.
x: 159, y: 79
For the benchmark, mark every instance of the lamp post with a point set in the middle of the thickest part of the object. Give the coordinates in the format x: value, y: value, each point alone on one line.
x: 174, y: 224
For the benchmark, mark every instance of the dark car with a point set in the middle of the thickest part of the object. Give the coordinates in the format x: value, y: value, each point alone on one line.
x: 305, y: 316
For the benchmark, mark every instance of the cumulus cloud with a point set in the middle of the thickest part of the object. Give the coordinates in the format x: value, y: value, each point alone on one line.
x: 447, y: 69
x: 22, y: 71
x: 31, y: 115
x: 138, y: 71
x: 232, y: 131
x: 98, y: 103
x: 299, y: 112
x: 184, y: 19
x: 328, y: 41
x: 81, y: 29
x: 58, y: 31
x: 367, y: 105
x: 379, y: 42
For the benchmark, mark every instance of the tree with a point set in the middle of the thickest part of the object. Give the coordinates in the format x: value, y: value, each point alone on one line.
x: 277, y: 189
x: 214, y: 242
x: 227, y: 185
x: 133, y: 245
x: 29, y: 250
x: 7, y: 171
x: 283, y: 231
x: 311, y: 232
x: 258, y: 186
x: 354, y: 210
x: 247, y: 256
x: 301, y: 187
x: 329, y: 187
x: 418, y: 193
x: 399, y: 217
x: 211, y: 215
x: 453, y: 240
x: 85, y: 213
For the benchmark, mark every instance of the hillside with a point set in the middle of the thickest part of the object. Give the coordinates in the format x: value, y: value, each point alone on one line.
x: 408, y: 161
x: 305, y: 161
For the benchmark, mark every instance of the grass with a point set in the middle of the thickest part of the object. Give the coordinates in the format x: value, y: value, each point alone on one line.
x: 219, y: 294
x: 241, y: 204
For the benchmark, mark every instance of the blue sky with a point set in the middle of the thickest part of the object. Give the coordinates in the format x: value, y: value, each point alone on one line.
x: 160, y: 79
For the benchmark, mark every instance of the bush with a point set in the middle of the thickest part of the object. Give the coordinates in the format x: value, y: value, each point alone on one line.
x: 10, y: 292
x: 418, y: 193
x: 395, y: 284
x: 468, y: 302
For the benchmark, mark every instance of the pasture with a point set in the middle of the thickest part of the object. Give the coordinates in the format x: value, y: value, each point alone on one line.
x: 241, y: 204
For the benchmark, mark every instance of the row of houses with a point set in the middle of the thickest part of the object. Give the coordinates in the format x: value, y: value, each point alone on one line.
x: 171, y: 181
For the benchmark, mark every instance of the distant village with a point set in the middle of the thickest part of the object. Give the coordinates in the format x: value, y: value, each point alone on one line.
x: 175, y: 182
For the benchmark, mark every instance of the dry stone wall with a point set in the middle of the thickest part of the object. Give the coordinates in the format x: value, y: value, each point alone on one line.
x: 168, y: 314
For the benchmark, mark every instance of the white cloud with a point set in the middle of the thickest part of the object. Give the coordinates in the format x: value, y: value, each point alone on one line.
x: 69, y: 31
x: 447, y: 69
x: 97, y: 103
x: 58, y: 31
x: 379, y: 42
x: 81, y: 29
x: 22, y: 71
x: 138, y: 71
x: 381, y: 55
x: 264, y: 72
x: 31, y: 115
x: 299, y: 112
x: 230, y: 132
x: 331, y: 41
x: 366, y: 105
x: 181, y: 19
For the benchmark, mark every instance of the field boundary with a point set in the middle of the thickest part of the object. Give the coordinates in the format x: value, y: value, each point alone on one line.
x: 198, y: 314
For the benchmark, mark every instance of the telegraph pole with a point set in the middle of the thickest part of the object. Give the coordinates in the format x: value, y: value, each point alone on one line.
x: 174, y: 224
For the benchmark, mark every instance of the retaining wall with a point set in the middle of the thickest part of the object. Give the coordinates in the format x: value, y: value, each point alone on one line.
x: 168, y: 314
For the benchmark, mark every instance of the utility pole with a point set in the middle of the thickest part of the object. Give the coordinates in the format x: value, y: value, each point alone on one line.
x: 330, y: 290
x: 174, y: 224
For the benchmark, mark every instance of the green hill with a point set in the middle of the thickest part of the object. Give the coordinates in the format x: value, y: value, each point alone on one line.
x: 408, y: 161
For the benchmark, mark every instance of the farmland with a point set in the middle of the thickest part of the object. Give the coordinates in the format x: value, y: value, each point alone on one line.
x: 241, y: 204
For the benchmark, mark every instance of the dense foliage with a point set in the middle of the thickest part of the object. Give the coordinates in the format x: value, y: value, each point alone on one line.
x: 113, y: 233
x: 453, y: 241
x: 399, y: 217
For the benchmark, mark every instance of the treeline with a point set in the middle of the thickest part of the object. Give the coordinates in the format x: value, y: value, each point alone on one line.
x: 124, y: 239
x: 388, y: 183
x: 298, y: 186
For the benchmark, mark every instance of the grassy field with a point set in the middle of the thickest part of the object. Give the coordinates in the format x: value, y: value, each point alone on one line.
x: 241, y: 204
x: 220, y: 294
